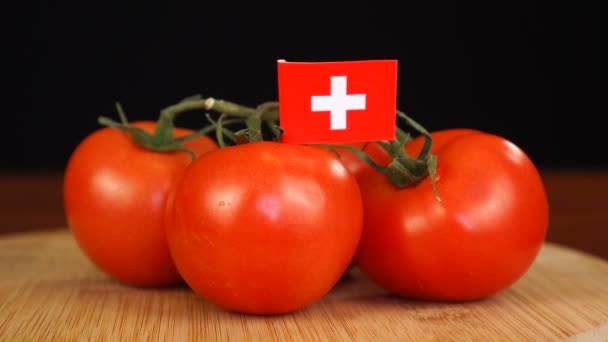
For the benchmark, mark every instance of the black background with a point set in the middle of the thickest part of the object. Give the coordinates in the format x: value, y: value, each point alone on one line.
x: 528, y: 71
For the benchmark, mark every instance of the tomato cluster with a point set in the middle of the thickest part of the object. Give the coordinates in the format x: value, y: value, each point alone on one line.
x: 264, y: 227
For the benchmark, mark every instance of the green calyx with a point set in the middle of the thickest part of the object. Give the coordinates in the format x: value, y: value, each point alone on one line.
x: 163, y: 139
x: 403, y: 170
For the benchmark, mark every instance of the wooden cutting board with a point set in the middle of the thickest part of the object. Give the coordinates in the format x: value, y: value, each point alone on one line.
x: 49, y: 291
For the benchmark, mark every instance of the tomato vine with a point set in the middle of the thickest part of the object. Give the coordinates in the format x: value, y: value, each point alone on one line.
x: 262, y: 123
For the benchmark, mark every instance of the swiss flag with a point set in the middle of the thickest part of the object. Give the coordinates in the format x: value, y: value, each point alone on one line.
x: 337, y: 102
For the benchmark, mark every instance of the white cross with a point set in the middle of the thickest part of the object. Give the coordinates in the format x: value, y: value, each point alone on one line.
x: 337, y: 103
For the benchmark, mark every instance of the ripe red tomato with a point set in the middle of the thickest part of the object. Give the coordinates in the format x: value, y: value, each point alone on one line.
x: 114, y: 199
x: 264, y: 227
x: 482, y: 236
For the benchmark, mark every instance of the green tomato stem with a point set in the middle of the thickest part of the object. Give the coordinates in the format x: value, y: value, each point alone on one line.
x: 406, y: 171
x: 161, y: 141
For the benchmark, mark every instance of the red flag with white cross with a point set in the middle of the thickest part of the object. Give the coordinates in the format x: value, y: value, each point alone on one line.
x: 337, y: 102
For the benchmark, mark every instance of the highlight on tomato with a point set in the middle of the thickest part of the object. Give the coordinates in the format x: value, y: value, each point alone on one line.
x: 463, y: 220
x: 115, y: 187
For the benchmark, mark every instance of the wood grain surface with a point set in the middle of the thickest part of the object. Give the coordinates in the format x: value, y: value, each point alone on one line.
x: 49, y: 291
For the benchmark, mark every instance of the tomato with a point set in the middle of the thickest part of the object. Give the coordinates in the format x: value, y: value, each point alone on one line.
x: 114, y: 199
x: 264, y: 227
x: 478, y: 240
